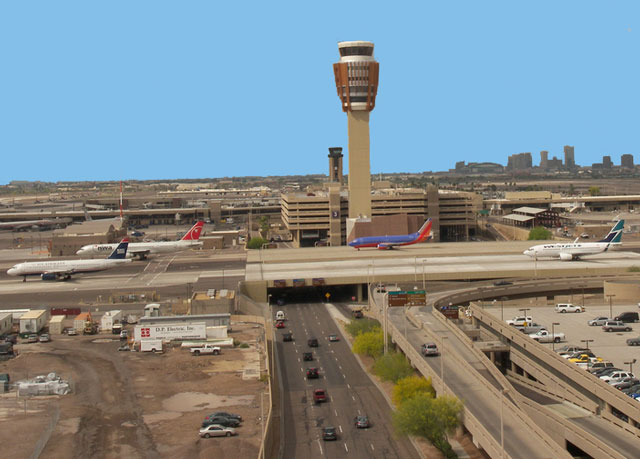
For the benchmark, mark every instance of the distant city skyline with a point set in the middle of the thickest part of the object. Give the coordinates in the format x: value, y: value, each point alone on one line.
x: 232, y: 90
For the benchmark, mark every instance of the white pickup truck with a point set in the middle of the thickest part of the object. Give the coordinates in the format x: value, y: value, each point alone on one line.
x: 544, y: 336
x: 206, y: 349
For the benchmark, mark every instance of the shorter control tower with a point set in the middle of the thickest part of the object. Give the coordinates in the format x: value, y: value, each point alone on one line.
x: 357, y: 84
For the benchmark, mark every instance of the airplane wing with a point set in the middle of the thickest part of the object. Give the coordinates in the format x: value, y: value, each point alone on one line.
x: 140, y: 253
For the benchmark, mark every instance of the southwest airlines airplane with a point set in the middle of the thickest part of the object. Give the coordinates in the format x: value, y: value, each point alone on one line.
x: 142, y: 249
x: 574, y: 250
x: 389, y: 242
x: 64, y: 269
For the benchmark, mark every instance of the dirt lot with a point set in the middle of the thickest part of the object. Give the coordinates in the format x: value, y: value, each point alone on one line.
x: 133, y: 405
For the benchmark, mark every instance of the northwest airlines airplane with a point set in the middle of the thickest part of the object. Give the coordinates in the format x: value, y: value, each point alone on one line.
x: 142, y: 249
x: 64, y: 269
x: 574, y: 250
x: 389, y: 242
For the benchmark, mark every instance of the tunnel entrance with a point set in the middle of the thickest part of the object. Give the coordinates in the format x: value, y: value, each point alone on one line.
x: 318, y: 294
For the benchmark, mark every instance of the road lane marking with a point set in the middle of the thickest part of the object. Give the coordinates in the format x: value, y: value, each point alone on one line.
x: 354, y: 399
x: 340, y: 427
x: 372, y: 448
x: 359, y: 413
x: 320, y: 446
x: 349, y: 386
x: 336, y: 412
x: 345, y: 447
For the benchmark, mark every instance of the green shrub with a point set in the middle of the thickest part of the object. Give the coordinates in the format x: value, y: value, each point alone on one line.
x: 539, y: 233
x: 392, y: 367
x: 369, y: 343
x: 256, y: 243
x: 430, y: 418
x: 633, y: 269
x: 358, y: 326
x: 411, y: 386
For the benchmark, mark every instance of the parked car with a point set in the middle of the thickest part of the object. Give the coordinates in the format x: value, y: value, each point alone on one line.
x: 520, y: 320
x: 334, y: 338
x: 595, y: 366
x: 531, y: 328
x: 221, y: 420
x: 568, y: 307
x: 585, y: 358
x: 72, y: 332
x: 44, y: 338
x: 429, y: 349
x: 361, y: 422
x: 625, y: 383
x: 124, y: 348
x: 307, y: 356
x: 319, y: 396
x: 598, y: 321
x: 329, y: 434
x: 358, y: 314
x: 216, y: 430
x: 543, y: 336
x: 605, y: 371
x: 577, y: 354
x: 616, y: 376
x: 224, y: 414
x: 124, y: 334
x: 570, y: 349
x: 312, y: 373
x: 633, y: 341
x: 312, y: 342
x: 627, y: 317
x: 616, y: 326
x: 32, y: 338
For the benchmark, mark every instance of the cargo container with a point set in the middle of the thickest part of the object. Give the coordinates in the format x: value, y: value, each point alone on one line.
x: 168, y: 332
x: 56, y: 325
x: 6, y: 322
x: 80, y: 321
x: 17, y: 313
x: 108, y: 319
x: 217, y: 332
x: 151, y: 345
x: 34, y: 321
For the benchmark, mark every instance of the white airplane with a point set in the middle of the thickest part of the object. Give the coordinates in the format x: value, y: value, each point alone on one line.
x: 64, y: 269
x: 574, y: 250
x: 142, y: 249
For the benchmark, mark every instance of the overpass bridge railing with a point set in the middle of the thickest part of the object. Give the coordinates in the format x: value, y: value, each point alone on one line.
x: 600, y: 392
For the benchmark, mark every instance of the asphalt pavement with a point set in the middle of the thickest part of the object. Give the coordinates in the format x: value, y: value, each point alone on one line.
x: 350, y: 393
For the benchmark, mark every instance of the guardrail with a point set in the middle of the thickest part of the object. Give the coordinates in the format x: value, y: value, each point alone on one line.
x: 271, y: 444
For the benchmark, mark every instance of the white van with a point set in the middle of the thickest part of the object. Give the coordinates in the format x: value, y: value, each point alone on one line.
x: 151, y: 345
x: 280, y: 315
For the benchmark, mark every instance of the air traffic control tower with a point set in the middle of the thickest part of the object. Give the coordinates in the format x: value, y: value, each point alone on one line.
x: 357, y: 84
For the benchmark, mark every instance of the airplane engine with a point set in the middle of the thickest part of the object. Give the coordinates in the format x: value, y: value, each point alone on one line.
x: 566, y: 256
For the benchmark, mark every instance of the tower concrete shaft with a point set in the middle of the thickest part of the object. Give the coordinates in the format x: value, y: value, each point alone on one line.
x: 357, y: 85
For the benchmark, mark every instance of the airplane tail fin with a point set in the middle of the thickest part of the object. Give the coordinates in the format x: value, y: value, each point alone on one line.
x: 425, y: 231
x: 615, y: 235
x: 120, y: 252
x: 194, y: 233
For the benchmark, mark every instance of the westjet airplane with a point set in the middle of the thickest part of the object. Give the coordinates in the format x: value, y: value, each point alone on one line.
x: 142, y: 249
x: 389, y: 242
x: 574, y: 250
x: 64, y: 269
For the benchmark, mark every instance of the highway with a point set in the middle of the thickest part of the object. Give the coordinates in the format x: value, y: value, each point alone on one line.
x: 519, y: 442
x: 349, y: 389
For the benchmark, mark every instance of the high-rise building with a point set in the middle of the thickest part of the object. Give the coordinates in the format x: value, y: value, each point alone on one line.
x: 519, y: 162
x: 544, y: 159
x: 606, y: 162
x: 335, y: 165
x: 569, y: 158
x: 626, y: 161
x: 357, y: 84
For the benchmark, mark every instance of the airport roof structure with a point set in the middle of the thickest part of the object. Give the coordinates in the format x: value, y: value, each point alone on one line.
x: 518, y: 217
x: 529, y: 210
x: 103, y: 226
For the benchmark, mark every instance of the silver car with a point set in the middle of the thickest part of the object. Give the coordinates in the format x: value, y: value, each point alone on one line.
x: 216, y: 430
x: 598, y: 321
x: 615, y: 325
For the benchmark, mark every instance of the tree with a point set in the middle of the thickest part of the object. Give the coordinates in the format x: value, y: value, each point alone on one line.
x: 356, y: 327
x: 572, y: 189
x: 264, y: 225
x: 392, y: 367
x: 594, y: 190
x: 369, y: 343
x: 255, y: 243
x: 430, y: 418
x: 411, y: 386
x: 539, y: 233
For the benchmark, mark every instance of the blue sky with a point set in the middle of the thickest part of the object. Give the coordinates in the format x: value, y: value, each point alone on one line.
x: 156, y: 89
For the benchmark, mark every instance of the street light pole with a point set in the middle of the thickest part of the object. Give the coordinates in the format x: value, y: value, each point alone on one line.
x: 611, y: 305
x: 630, y: 365
x: 586, y: 342
x: 524, y: 313
x: 553, y: 335
x: 385, y: 305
